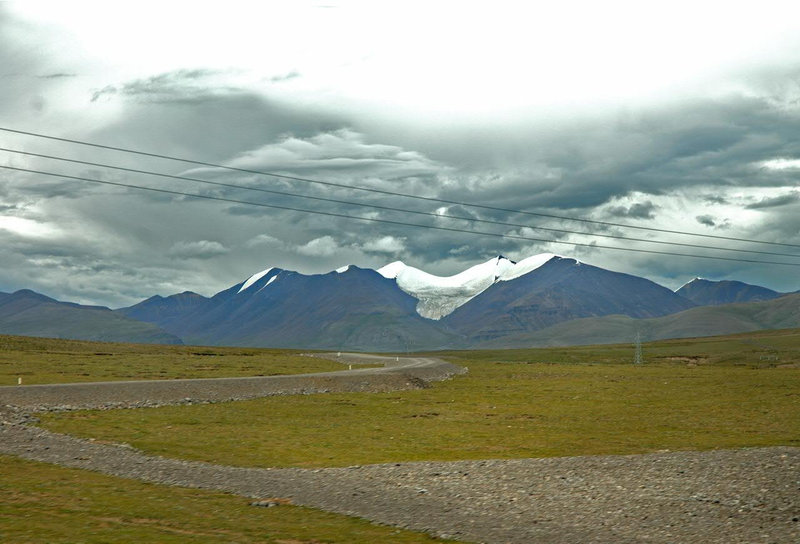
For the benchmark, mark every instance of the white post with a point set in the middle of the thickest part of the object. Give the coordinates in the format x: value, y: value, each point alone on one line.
x: 19, y: 381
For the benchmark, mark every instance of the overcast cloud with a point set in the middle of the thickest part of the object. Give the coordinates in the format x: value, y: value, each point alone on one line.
x: 628, y: 114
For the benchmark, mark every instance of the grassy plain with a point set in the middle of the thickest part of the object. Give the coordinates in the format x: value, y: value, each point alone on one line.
x: 725, y: 392
x: 48, y: 360
x: 46, y: 504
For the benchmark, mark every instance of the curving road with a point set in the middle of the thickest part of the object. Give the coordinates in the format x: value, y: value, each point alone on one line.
x: 396, y: 374
x: 724, y: 497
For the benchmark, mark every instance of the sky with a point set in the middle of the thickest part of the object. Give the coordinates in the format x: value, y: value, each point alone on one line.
x: 682, y: 116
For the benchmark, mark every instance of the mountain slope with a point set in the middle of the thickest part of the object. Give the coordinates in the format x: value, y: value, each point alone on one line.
x: 779, y: 313
x: 560, y: 290
x: 353, y: 308
x: 166, y: 311
x: 707, y: 293
x: 29, y: 313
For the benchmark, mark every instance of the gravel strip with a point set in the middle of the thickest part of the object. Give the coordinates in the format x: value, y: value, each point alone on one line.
x: 724, y: 496
x: 402, y: 374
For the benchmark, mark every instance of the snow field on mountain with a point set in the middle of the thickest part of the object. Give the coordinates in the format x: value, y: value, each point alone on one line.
x: 440, y: 295
x: 254, y: 278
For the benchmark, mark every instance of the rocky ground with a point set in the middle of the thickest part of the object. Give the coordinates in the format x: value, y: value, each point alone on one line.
x: 727, y: 496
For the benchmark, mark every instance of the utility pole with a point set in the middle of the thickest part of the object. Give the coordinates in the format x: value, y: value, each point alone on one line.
x: 637, y: 357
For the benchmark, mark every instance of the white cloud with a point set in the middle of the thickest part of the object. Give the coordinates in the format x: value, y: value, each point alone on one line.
x: 324, y: 246
x: 26, y: 227
x: 386, y: 244
x: 201, y: 249
x: 264, y: 240
x: 343, y: 151
x: 782, y: 164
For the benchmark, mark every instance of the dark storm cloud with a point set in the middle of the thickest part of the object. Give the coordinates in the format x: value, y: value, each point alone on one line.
x: 577, y: 164
x: 715, y: 222
x: 715, y: 199
x: 706, y: 220
x: 774, y: 202
x: 640, y: 210
x: 115, y: 246
x: 209, y: 124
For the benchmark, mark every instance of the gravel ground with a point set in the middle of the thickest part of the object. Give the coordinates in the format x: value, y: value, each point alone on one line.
x: 725, y: 496
x: 407, y: 373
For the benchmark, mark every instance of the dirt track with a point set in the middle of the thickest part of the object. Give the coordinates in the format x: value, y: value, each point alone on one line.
x: 731, y: 496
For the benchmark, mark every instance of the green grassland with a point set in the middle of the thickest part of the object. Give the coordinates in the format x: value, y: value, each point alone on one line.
x: 47, y: 360
x: 760, y: 349
x: 725, y: 392
x: 41, y: 503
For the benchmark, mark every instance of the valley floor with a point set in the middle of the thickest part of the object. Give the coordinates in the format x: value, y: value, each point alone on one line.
x: 725, y: 496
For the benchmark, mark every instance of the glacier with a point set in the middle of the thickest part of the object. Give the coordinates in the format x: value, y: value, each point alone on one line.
x: 439, y: 296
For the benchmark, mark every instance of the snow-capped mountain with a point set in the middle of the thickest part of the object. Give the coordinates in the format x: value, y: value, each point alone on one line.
x: 349, y: 308
x: 439, y: 296
x: 497, y: 303
x: 561, y: 289
x: 400, y: 307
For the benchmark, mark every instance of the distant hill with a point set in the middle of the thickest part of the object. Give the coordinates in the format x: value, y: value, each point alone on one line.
x: 779, y: 313
x: 545, y: 299
x: 560, y: 290
x: 29, y: 313
x: 352, y: 308
x: 166, y: 312
x: 711, y: 293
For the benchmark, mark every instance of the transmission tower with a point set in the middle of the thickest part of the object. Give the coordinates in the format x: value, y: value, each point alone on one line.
x: 637, y: 357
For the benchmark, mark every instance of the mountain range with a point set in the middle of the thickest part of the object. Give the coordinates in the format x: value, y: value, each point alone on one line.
x: 27, y: 313
x: 542, y: 300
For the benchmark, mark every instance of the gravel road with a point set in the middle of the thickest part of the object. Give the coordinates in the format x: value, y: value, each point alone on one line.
x: 725, y: 496
x: 396, y: 374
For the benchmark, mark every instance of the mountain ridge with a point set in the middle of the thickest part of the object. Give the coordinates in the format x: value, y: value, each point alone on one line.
x: 400, y: 308
x: 28, y: 313
x: 709, y: 292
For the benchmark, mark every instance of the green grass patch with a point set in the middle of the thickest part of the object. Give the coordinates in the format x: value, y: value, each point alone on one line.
x: 42, y: 503
x: 47, y: 360
x: 524, y: 403
x: 762, y: 349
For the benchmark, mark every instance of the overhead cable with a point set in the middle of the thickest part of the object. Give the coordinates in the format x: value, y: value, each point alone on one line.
x: 390, y: 208
x: 389, y: 193
x: 385, y: 221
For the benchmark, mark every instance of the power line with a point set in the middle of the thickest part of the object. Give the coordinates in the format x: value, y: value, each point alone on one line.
x: 389, y: 193
x: 389, y: 208
x: 385, y: 221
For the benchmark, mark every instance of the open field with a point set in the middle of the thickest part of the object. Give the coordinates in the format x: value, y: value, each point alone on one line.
x: 689, y: 395
x: 754, y: 349
x: 42, y: 503
x: 47, y: 360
